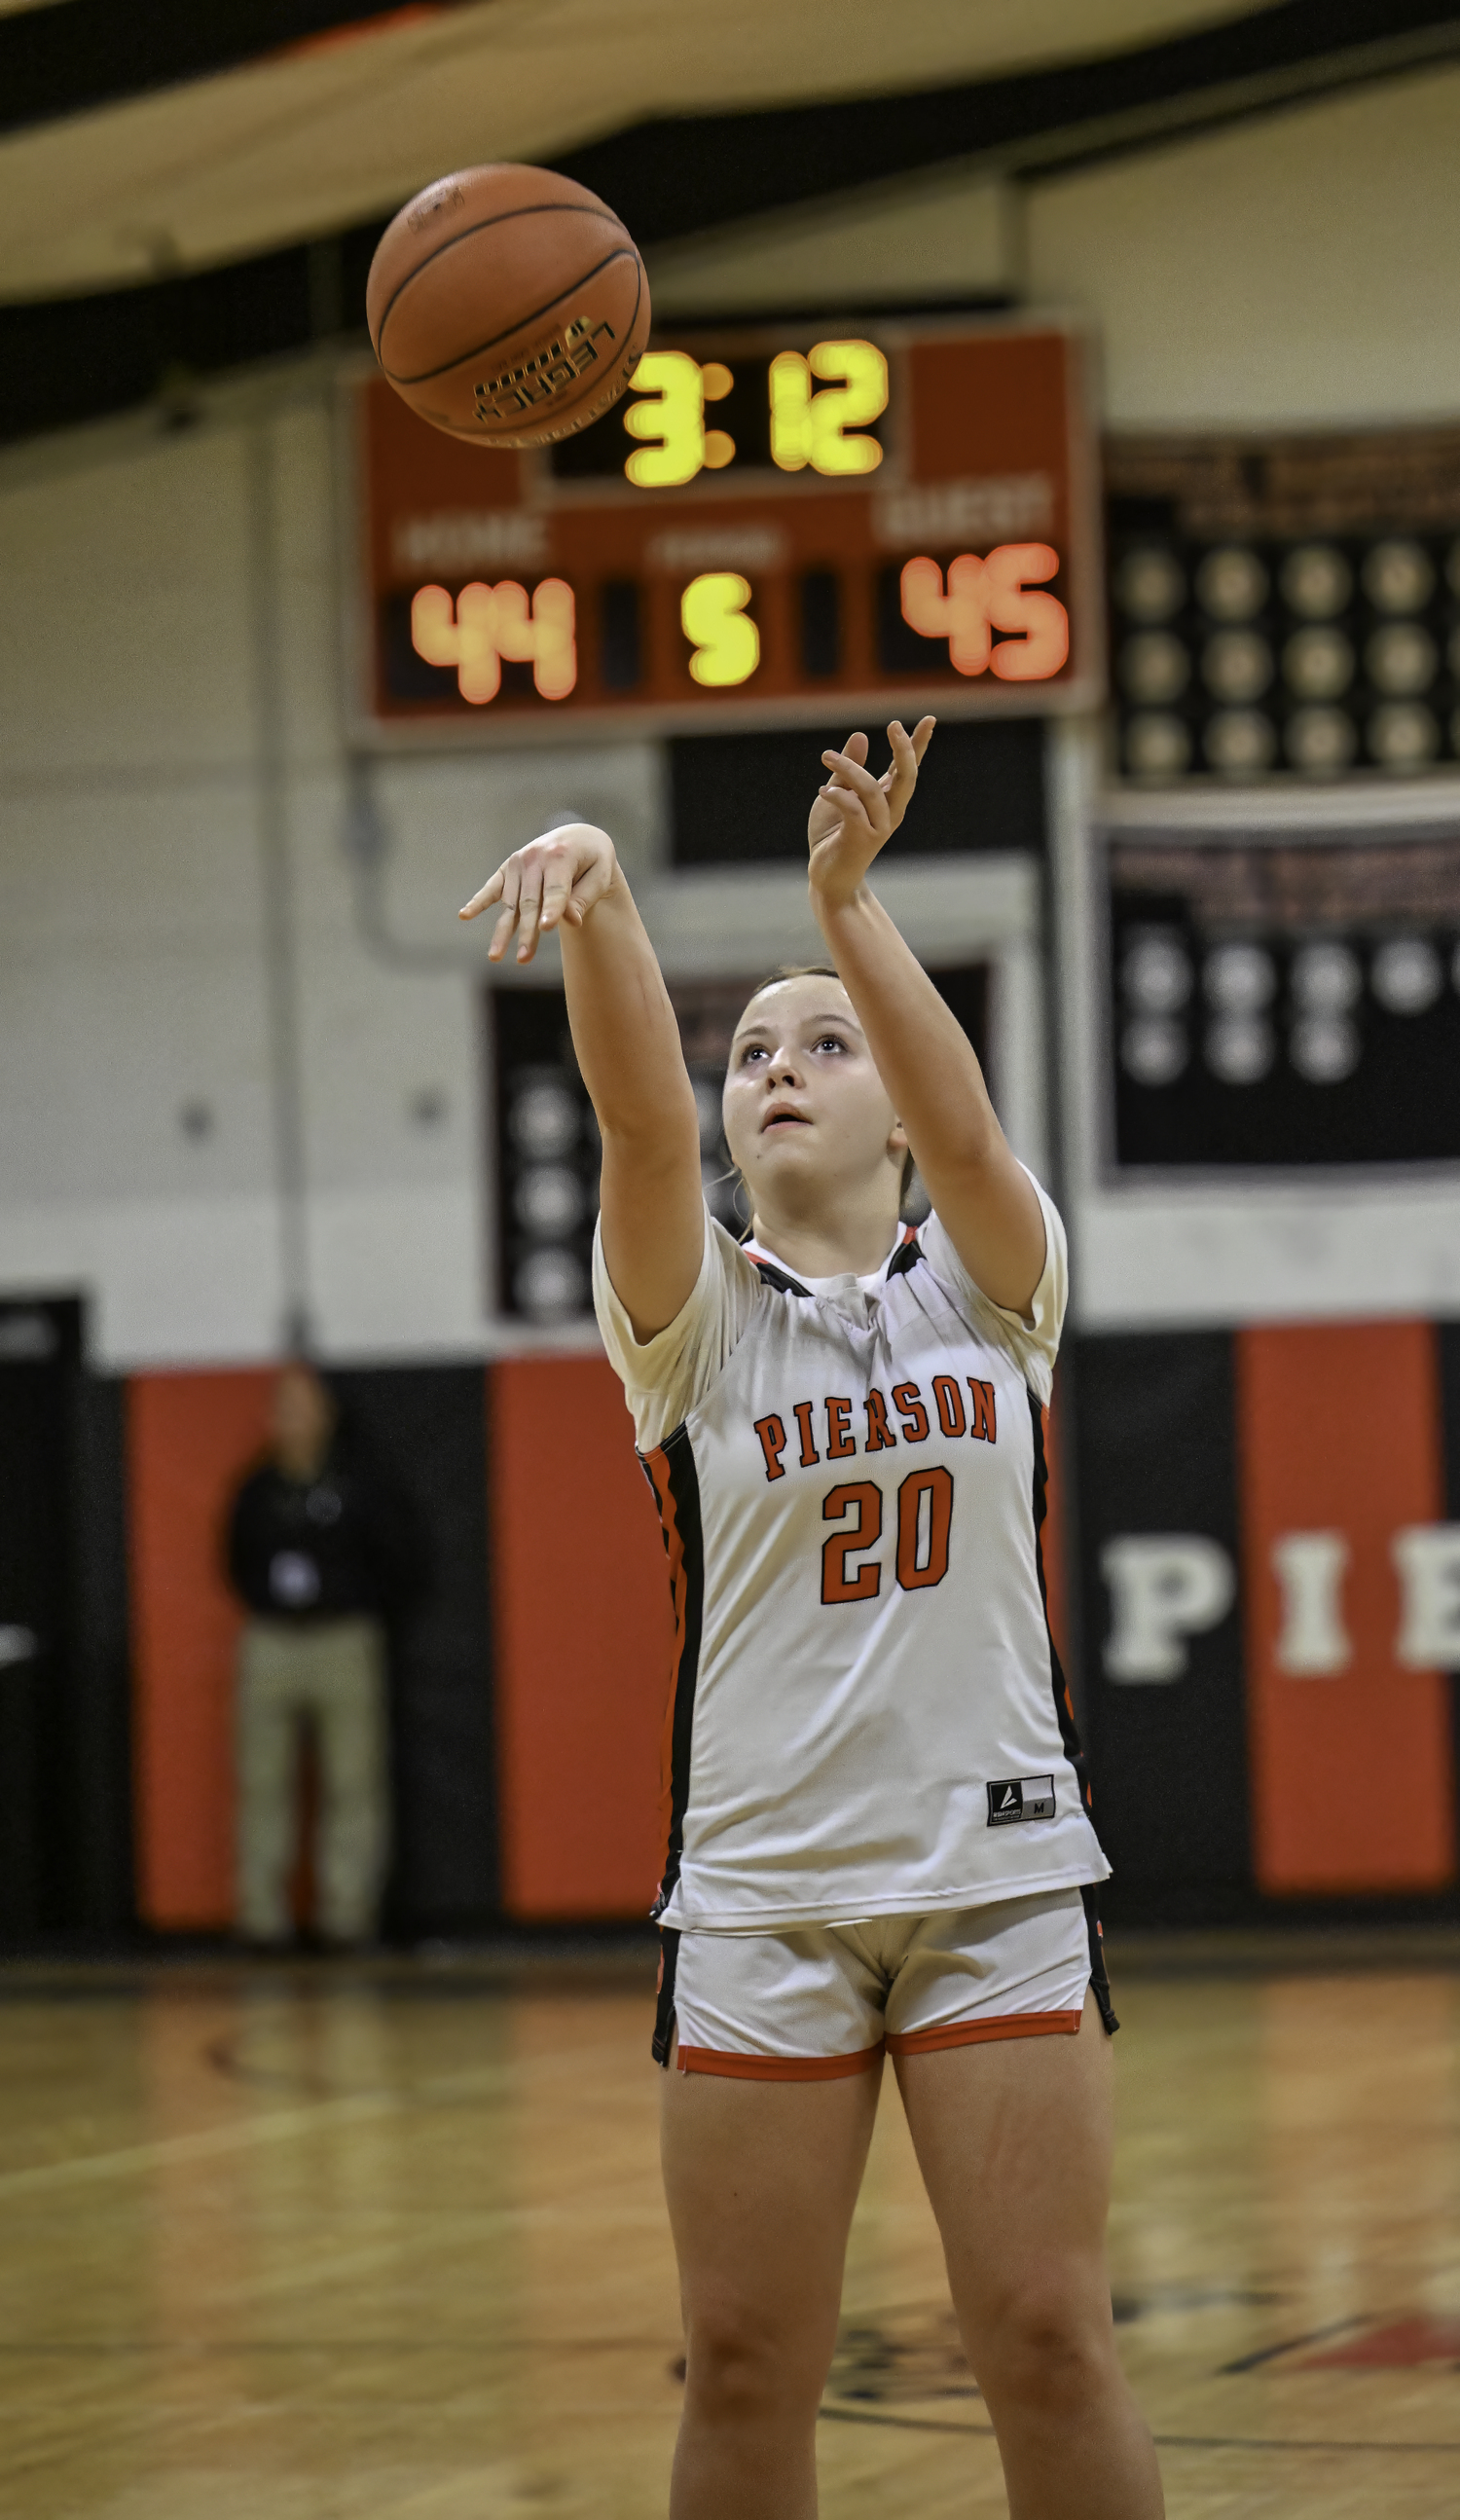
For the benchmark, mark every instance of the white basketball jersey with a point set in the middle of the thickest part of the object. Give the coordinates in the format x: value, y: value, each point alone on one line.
x: 866, y: 1717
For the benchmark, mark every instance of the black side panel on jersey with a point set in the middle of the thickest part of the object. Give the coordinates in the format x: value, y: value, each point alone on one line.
x: 1063, y: 1709
x: 1154, y: 1438
x: 663, y: 2009
x: 1447, y: 1357
x: 676, y: 1481
x: 1100, y: 1984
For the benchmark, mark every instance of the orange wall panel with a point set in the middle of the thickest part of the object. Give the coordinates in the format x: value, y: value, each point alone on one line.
x: 1351, y: 1769
x: 189, y: 1438
x: 581, y: 1613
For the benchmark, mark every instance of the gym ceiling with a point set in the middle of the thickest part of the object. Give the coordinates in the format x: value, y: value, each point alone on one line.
x: 184, y: 188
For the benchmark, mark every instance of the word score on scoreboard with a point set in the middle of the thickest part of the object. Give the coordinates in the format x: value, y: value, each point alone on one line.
x: 886, y: 520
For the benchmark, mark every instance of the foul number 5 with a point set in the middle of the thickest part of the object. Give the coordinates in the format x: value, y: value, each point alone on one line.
x: 713, y: 617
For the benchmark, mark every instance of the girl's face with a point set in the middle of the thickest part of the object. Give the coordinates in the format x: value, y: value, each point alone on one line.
x: 808, y: 1118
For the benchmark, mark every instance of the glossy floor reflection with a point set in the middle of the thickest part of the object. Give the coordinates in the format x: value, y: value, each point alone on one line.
x: 390, y: 2243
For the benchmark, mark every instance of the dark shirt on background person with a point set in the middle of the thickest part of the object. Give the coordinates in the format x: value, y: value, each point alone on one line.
x: 323, y: 1554
x: 336, y: 1547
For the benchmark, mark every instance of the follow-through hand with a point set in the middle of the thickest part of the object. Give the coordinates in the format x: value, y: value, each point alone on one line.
x: 556, y: 879
x: 854, y: 814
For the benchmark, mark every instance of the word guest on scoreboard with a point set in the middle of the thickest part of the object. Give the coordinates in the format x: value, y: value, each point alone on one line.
x: 888, y: 516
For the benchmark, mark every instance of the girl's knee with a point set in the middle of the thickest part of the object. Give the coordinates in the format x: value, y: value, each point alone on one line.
x: 1049, y: 2349
x: 742, y: 2367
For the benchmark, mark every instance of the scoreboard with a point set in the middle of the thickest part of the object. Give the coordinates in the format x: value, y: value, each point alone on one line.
x: 886, y: 516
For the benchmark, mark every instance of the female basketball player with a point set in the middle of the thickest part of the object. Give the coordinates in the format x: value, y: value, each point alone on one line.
x: 878, y: 1840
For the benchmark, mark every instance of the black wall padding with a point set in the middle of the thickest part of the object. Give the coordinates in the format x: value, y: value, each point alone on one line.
x: 38, y: 1349
x: 425, y: 1428
x: 102, y: 1899
x: 1447, y: 1340
x: 66, y: 1857
x: 1154, y: 1442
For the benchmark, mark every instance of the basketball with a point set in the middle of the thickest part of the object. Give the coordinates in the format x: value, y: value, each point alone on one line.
x: 508, y: 305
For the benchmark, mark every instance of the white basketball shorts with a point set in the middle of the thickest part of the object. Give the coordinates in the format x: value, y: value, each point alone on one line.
x: 826, y: 2000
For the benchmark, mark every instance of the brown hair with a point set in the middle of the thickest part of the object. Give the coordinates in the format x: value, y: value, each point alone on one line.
x: 791, y: 971
x: 818, y: 972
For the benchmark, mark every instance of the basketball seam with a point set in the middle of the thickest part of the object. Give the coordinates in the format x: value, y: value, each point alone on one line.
x: 480, y: 348
x: 535, y: 209
x: 454, y: 429
x: 527, y: 210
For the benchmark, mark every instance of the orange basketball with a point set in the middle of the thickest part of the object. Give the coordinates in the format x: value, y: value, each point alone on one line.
x: 508, y: 305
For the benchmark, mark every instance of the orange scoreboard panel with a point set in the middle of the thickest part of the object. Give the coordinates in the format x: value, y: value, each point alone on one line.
x: 892, y: 518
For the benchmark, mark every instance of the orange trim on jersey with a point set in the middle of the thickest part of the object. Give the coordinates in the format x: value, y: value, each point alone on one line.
x: 970, y: 2034
x: 775, y: 2069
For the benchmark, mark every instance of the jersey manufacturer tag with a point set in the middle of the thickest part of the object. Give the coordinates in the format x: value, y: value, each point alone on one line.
x: 1014, y: 1798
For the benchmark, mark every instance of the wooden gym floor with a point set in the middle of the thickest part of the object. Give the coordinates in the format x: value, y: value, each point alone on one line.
x: 387, y: 2244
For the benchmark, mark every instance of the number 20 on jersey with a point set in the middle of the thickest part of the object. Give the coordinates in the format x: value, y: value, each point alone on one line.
x: 925, y: 1517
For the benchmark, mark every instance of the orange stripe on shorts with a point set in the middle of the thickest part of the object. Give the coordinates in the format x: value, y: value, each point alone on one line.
x: 970, y: 2034
x: 738, y: 2067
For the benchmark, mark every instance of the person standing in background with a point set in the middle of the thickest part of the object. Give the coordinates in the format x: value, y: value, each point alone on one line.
x: 320, y: 1556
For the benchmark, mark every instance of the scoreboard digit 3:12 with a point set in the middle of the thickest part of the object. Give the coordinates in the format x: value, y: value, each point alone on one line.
x: 884, y: 516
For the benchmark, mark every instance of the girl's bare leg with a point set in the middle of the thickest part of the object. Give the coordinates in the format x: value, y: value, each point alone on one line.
x: 762, y: 2179
x: 1014, y: 2138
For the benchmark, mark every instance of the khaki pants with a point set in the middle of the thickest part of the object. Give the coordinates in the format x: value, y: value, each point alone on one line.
x: 333, y: 1676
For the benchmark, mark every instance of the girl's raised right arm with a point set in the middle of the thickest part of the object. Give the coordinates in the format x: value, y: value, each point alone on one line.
x: 627, y: 1045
